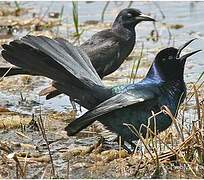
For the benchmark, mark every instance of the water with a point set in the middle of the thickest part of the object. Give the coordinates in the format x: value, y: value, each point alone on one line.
x: 188, y: 14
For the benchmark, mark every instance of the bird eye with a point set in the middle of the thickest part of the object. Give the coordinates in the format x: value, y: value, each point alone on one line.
x: 129, y: 15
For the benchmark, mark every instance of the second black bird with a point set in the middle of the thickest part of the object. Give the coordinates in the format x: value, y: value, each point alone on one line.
x: 106, y: 49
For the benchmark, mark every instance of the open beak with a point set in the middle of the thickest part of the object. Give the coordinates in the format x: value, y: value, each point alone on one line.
x: 143, y: 17
x: 184, y: 57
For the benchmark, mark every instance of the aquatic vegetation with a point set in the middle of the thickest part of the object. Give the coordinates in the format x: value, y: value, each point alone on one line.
x: 77, y: 33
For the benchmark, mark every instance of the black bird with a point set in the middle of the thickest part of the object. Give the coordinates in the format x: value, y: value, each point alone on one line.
x: 106, y: 49
x: 71, y: 68
x: 132, y: 104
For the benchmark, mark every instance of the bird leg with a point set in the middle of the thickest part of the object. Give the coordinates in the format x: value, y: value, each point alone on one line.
x: 73, y: 104
x: 121, y: 142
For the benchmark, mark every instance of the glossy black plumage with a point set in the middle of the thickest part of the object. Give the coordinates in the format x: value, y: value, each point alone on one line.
x: 106, y: 49
x: 132, y: 103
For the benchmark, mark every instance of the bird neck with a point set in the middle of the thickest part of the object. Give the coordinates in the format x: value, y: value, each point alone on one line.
x: 176, y: 87
x: 165, y: 76
x: 154, y: 74
x: 125, y: 33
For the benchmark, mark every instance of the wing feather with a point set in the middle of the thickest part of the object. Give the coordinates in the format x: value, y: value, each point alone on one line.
x: 116, y: 102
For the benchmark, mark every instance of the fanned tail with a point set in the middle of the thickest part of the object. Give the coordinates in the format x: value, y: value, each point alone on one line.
x: 60, y: 61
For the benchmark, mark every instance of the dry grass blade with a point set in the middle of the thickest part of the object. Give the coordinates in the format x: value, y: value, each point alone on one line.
x: 189, y: 166
x: 157, y: 170
x: 22, y: 135
x: 156, y: 136
x: 25, y: 164
x: 135, y: 131
x: 155, y: 127
x: 167, y: 111
x: 133, y: 74
x: 44, y: 172
x: 5, y: 74
x: 197, y: 105
x: 42, y: 129
x: 190, y: 94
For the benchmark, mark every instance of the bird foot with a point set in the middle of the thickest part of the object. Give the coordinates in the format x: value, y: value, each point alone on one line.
x: 104, y: 145
x: 74, y: 106
x: 130, y: 147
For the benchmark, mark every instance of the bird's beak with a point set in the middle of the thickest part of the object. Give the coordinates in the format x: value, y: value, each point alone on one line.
x: 143, y: 17
x: 184, y: 57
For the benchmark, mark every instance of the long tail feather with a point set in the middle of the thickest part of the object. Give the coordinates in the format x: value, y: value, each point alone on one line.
x: 67, y: 65
x: 8, y: 71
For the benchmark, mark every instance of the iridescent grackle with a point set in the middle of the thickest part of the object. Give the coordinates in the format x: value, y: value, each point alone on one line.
x: 133, y: 103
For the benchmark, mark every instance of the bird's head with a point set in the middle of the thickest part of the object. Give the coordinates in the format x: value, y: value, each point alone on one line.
x: 130, y: 17
x: 169, y: 64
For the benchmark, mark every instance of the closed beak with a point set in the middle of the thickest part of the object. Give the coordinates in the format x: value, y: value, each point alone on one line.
x: 143, y: 17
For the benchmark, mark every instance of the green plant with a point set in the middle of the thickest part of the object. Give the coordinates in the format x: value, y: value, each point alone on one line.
x: 75, y: 16
x: 104, y: 10
x: 135, y: 66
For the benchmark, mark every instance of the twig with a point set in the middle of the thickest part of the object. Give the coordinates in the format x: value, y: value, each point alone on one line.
x: 167, y: 111
x: 135, y: 131
x: 160, y: 139
x: 68, y: 169
x: 42, y: 129
x: 43, y: 175
x: 200, y: 85
x: 188, y: 165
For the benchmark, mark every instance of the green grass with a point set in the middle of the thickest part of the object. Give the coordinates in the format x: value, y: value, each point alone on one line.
x: 75, y: 16
x: 135, y: 66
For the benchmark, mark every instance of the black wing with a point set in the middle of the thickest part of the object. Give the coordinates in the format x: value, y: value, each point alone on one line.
x: 116, y: 102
